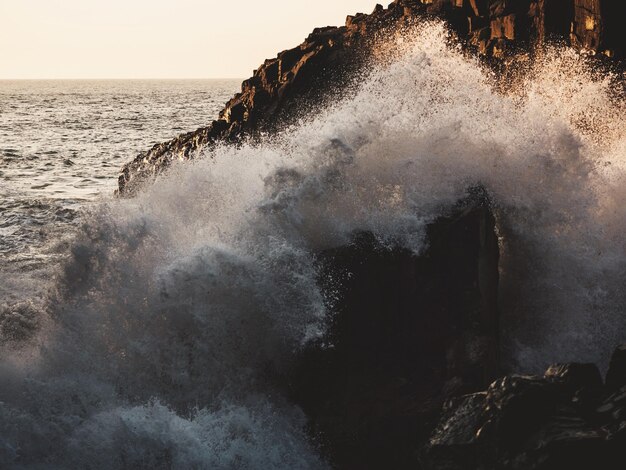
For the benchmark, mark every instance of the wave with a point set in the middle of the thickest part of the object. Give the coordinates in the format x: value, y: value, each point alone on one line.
x: 169, y: 334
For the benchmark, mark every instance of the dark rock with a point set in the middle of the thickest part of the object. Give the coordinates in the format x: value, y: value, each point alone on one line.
x: 533, y: 423
x: 300, y: 77
x: 554, y: 18
x: 503, y: 27
x: 594, y: 26
x: 453, y: 444
x: 517, y: 406
x: 479, y: 7
x: 575, y: 376
x: 405, y: 335
x: 616, y: 375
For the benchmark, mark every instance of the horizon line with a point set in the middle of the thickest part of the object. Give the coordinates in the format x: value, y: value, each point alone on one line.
x: 120, y: 78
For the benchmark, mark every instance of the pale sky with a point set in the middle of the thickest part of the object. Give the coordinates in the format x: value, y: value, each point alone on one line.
x: 156, y: 38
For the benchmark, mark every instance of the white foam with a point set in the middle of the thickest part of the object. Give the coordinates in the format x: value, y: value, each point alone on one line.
x: 179, y: 308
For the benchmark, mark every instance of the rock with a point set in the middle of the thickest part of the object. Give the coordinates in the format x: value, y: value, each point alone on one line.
x: 453, y: 443
x: 517, y: 406
x: 533, y: 423
x: 553, y: 18
x: 590, y: 22
x: 616, y: 375
x: 405, y: 335
x: 325, y: 61
x: 19, y: 322
x: 479, y: 7
x: 575, y: 376
x: 503, y: 27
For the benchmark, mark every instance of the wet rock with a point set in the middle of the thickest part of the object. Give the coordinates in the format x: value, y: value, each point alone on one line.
x: 480, y: 8
x: 616, y: 375
x: 575, y: 376
x: 300, y: 77
x: 595, y: 26
x: 553, y: 18
x: 503, y: 27
x: 405, y: 336
x: 453, y: 444
x: 517, y: 406
x: 533, y: 423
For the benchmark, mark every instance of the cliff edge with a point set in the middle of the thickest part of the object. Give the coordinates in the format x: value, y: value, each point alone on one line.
x: 495, y: 29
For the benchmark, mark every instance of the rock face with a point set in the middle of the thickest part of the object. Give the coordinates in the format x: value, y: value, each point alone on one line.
x: 400, y: 380
x: 566, y: 419
x: 405, y: 335
x: 407, y: 377
x: 300, y: 76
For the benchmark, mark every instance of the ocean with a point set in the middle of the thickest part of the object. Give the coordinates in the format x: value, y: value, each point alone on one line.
x: 63, y: 142
x: 159, y: 331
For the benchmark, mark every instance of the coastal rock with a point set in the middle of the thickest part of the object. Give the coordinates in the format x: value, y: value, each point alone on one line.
x: 594, y: 26
x: 575, y: 376
x: 616, y: 375
x: 407, y: 376
x: 565, y: 419
x: 324, y: 63
x: 405, y: 335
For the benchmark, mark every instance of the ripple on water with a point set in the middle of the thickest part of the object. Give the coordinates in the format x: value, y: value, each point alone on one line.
x: 62, y: 144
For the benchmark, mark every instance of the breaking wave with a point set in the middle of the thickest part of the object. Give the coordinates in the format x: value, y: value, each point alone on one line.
x: 168, y: 336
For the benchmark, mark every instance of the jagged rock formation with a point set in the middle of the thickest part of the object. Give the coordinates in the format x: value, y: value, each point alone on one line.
x: 406, y: 334
x: 416, y: 339
x: 300, y: 76
x: 415, y: 342
x: 567, y: 419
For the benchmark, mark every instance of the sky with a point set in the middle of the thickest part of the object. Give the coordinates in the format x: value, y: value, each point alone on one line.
x: 156, y: 38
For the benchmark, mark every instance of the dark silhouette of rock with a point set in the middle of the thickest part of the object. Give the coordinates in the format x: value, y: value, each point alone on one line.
x: 324, y: 63
x: 616, y: 375
x: 566, y: 419
x: 575, y: 375
x: 405, y: 335
x: 414, y: 339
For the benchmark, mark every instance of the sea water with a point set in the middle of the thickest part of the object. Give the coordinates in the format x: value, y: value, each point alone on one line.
x: 63, y: 143
x: 167, y: 329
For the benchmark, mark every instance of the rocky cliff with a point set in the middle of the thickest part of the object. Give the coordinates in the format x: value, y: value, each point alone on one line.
x: 295, y: 78
x: 406, y: 335
x: 410, y: 379
x: 567, y: 419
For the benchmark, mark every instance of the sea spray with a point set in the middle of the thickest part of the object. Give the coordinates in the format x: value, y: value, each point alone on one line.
x: 169, y: 333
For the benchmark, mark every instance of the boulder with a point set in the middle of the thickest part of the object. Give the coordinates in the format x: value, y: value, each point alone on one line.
x: 406, y: 334
x: 532, y: 423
